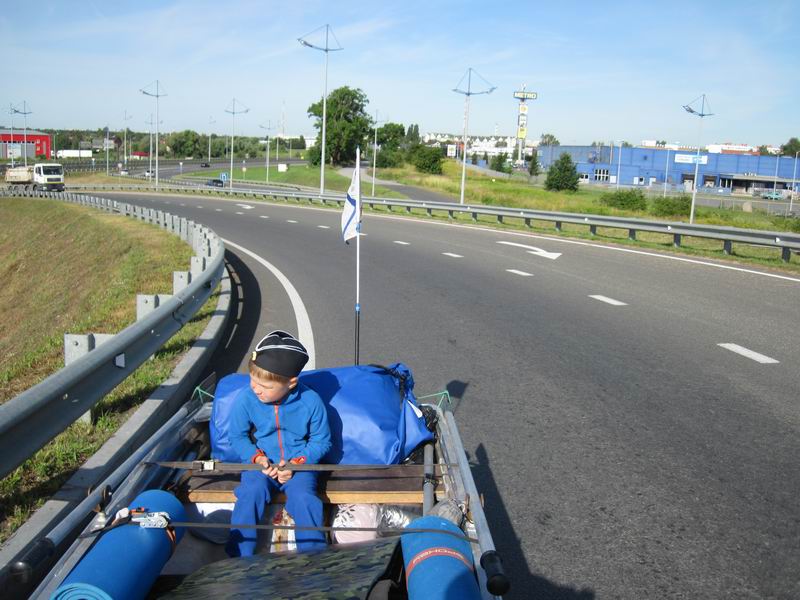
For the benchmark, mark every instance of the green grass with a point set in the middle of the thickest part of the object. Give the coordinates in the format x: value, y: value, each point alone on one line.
x: 48, y: 257
x: 516, y: 193
x: 301, y: 175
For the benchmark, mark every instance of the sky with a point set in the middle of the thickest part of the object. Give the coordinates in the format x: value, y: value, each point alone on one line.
x: 604, y: 70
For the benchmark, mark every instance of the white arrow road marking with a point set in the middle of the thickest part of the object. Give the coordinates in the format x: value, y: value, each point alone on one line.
x: 608, y: 300
x: 246, y: 206
x: 533, y: 250
x: 451, y: 255
x: 402, y: 243
x: 759, y: 358
x: 323, y: 226
x: 304, y: 332
x: 520, y: 273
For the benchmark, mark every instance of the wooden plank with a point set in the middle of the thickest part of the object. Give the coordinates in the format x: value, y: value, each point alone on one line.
x: 330, y: 497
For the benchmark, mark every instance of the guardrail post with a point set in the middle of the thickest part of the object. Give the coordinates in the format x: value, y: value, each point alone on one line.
x: 180, y: 280
x: 632, y: 234
x: 147, y: 303
x: 77, y: 345
x: 197, y: 266
x: 499, y: 218
x: 558, y: 226
x: 727, y: 247
x: 676, y: 240
x: 408, y: 209
x: 450, y: 214
x: 593, y: 229
x: 430, y: 212
x: 786, y: 254
x: 527, y: 222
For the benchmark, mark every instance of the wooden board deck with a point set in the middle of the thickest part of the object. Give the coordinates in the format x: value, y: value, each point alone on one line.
x: 390, y: 486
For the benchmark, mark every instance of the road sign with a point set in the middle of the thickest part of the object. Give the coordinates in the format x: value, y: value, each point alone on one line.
x: 691, y: 159
x: 223, y: 177
x: 525, y: 95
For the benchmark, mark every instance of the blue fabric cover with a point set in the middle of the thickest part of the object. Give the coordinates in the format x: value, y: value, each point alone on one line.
x: 370, y: 421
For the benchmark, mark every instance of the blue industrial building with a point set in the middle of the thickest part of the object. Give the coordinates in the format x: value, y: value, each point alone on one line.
x: 728, y: 173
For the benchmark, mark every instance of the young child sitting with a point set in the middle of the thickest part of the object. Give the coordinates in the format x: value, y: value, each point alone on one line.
x: 291, y: 426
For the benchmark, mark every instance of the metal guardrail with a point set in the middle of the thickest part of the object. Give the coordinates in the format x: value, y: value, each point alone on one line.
x: 32, y: 419
x: 786, y: 242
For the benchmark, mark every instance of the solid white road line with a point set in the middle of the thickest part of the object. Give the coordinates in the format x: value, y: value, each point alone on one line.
x: 451, y: 255
x: 323, y: 226
x: 304, y: 331
x: 402, y: 243
x: 520, y: 273
x: 608, y: 300
x: 759, y: 358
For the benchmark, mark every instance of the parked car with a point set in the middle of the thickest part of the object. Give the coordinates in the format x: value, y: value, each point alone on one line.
x: 124, y: 172
x: 215, y: 183
x: 204, y: 165
x: 772, y: 195
x: 149, y: 173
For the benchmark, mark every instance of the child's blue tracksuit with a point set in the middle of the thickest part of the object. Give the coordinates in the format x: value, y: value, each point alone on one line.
x: 296, y: 427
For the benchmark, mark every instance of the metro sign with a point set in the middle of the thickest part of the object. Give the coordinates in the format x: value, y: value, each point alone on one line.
x: 525, y: 95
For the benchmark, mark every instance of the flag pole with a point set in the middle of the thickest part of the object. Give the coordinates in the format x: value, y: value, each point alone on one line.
x: 358, y: 249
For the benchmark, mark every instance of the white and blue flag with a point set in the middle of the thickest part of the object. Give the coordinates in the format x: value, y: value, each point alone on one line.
x: 351, y: 215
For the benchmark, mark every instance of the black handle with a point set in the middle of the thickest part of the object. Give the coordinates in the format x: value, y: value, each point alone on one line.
x: 22, y: 570
x: 496, y: 581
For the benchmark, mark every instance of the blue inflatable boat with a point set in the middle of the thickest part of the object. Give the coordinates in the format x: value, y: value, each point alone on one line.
x: 396, y: 486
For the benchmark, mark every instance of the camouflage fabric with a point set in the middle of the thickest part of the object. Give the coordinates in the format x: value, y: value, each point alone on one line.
x: 344, y: 572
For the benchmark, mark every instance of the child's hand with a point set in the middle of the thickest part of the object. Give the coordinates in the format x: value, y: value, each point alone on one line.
x: 284, y: 475
x: 270, y: 470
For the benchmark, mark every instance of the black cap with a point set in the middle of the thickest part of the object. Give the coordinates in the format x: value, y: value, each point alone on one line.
x: 280, y: 353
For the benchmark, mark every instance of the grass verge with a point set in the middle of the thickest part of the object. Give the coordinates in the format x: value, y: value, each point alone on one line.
x: 48, y: 257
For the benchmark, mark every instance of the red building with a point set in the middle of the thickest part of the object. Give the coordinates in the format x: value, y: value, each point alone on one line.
x: 38, y: 143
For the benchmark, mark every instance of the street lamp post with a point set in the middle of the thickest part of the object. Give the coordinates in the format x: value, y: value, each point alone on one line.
x: 619, y: 163
x: 467, y: 93
x: 24, y: 112
x: 157, y: 95
x: 794, y: 175
x: 326, y: 49
x: 375, y: 152
x: 775, y: 180
x: 702, y: 113
x: 233, y: 112
x: 666, y: 175
x: 211, y: 121
x: 106, y: 145
x: 125, y: 120
x: 11, y: 143
x: 267, y: 128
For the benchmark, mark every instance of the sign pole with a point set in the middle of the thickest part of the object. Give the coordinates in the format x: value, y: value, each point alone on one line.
x: 522, y: 119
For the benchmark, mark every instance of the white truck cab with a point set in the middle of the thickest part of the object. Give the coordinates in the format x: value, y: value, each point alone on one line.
x: 40, y: 176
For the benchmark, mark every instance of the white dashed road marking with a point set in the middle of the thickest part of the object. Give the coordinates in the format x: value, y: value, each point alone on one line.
x: 608, y: 300
x: 263, y: 217
x: 182, y: 204
x: 291, y: 221
x: 451, y: 255
x: 245, y: 206
x: 323, y: 226
x: 759, y: 358
x: 239, y: 212
x: 402, y: 243
x: 218, y: 209
x: 520, y: 273
x: 199, y: 206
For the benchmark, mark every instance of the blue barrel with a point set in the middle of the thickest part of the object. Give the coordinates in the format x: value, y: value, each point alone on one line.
x: 125, y: 562
x: 438, y: 566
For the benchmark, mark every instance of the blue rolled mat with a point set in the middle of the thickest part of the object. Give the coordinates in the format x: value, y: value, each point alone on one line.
x: 125, y: 562
x: 438, y: 566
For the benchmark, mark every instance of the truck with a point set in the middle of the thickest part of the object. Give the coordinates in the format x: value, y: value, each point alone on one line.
x: 41, y: 176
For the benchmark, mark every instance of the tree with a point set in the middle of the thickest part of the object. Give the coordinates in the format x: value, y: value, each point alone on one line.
x: 562, y: 175
x: 763, y: 151
x: 427, y: 159
x: 627, y: 145
x: 486, y: 157
x: 412, y: 135
x: 391, y: 135
x: 548, y: 139
x: 533, y: 165
x: 791, y: 147
x: 499, y: 163
x: 474, y: 158
x: 348, y: 124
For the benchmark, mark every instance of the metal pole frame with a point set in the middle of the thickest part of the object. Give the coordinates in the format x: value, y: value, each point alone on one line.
x: 467, y: 94
x: 233, y: 114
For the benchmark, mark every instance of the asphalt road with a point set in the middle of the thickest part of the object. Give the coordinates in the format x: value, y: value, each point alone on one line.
x: 622, y: 452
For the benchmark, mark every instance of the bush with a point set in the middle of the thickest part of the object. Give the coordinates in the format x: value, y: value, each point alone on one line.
x: 389, y: 158
x: 672, y: 206
x: 625, y: 200
x: 498, y: 163
x: 427, y: 159
x: 562, y: 175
